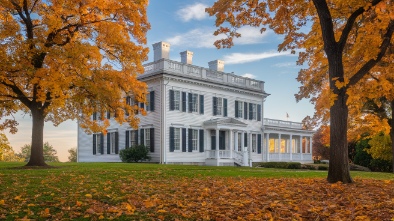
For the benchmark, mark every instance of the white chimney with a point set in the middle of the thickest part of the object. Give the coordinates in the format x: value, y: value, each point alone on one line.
x: 216, y: 65
x: 161, y: 50
x: 186, y: 57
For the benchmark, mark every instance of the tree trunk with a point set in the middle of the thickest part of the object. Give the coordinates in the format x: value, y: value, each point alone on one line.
x: 391, y: 122
x: 339, y: 160
x: 37, y: 139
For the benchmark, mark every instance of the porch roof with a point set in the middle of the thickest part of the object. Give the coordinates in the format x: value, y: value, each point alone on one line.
x: 225, y: 123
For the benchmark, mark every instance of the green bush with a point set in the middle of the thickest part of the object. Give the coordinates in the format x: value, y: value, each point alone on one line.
x: 322, y: 168
x: 134, y: 154
x: 308, y: 167
x: 283, y: 165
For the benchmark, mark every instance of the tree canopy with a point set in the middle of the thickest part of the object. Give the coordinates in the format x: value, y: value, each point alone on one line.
x: 66, y: 60
x: 345, y: 42
x: 50, y: 154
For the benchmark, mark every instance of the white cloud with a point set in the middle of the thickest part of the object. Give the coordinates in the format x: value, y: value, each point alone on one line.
x: 286, y: 64
x: 204, y: 38
x: 190, y: 12
x: 239, y: 58
x: 248, y: 75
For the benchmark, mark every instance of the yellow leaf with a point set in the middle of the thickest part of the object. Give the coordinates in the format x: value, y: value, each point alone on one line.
x: 2, y: 202
x: 161, y: 211
x: 78, y: 203
x: 88, y: 196
x: 17, y: 198
x: 101, y: 217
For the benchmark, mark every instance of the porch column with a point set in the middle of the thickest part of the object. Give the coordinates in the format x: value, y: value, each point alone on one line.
x: 236, y: 141
x: 301, y: 146
x: 280, y: 147
x: 291, y: 147
x: 243, y: 142
x: 268, y: 147
x: 310, y: 144
x: 231, y: 143
x: 250, y: 148
x: 217, y: 144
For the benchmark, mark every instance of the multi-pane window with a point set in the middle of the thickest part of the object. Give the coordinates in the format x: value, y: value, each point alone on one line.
x: 219, y: 106
x: 239, y: 142
x: 177, y: 138
x: 97, y: 143
x: 194, y: 139
x: 147, y: 138
x: 132, y: 138
x: 147, y: 107
x: 240, y: 109
x: 254, y: 111
x: 194, y: 102
x: 254, y: 142
x: 112, y: 142
x: 177, y: 100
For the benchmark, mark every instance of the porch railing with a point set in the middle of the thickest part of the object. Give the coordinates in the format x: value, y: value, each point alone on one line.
x: 222, y: 153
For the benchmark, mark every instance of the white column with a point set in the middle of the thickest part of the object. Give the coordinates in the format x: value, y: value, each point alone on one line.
x: 301, y: 147
x: 268, y: 147
x: 291, y: 147
x: 250, y: 149
x: 243, y: 141
x: 310, y: 144
x: 236, y: 141
x: 231, y: 143
x: 279, y: 146
x: 217, y: 144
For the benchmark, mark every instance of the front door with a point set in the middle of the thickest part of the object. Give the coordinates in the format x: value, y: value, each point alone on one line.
x: 222, y: 141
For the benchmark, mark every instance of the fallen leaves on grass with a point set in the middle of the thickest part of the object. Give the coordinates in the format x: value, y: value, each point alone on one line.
x: 204, y: 198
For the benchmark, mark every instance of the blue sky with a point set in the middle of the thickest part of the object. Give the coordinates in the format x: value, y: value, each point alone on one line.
x: 186, y: 26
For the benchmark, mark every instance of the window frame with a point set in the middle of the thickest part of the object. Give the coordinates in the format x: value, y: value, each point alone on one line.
x: 240, y: 109
x: 112, y: 138
x: 194, y: 103
x: 254, y: 143
x: 147, y: 138
x: 177, y: 100
x: 177, y: 140
x: 195, y: 140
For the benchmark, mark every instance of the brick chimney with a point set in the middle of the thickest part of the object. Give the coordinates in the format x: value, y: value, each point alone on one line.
x: 216, y: 65
x: 161, y: 50
x: 186, y: 57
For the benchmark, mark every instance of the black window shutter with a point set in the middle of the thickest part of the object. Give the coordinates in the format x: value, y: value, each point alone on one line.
x: 190, y: 136
x: 95, y: 116
x: 245, y: 140
x: 152, y: 140
x: 224, y: 107
x: 127, y: 139
x: 201, y: 104
x: 183, y: 139
x: 236, y: 108
x: 108, y: 143
x: 201, y: 140
x: 214, y: 106
x: 250, y: 111
x: 142, y: 141
x: 245, y: 110
x: 102, y: 143
x: 183, y: 101
x: 152, y: 101
x: 172, y: 142
x: 259, y: 112
x: 108, y: 114
x: 142, y: 105
x: 190, y: 102
x: 171, y: 100
x: 136, y: 137
x: 94, y: 143
x: 116, y: 143
x: 259, y: 143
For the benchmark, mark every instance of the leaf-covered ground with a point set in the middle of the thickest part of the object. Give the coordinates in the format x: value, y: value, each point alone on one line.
x: 160, y: 192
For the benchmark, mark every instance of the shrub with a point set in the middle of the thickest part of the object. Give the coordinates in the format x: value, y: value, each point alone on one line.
x: 322, y: 167
x: 283, y: 165
x: 134, y: 154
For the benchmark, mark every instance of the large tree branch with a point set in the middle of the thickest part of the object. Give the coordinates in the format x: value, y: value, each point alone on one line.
x: 350, y: 23
x: 371, y: 63
x: 20, y: 95
x: 326, y: 25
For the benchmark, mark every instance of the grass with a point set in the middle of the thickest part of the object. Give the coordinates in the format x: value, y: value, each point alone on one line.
x: 86, y: 191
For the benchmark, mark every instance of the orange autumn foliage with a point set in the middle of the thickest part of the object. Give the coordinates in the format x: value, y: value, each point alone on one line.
x: 65, y: 60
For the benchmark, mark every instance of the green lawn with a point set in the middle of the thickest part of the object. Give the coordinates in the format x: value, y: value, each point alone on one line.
x: 86, y: 191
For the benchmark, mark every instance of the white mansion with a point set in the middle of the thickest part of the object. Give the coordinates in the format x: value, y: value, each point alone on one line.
x: 201, y: 116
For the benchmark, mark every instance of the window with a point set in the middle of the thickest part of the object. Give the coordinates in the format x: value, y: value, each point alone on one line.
x: 254, y: 112
x: 254, y: 143
x: 112, y: 143
x: 147, y: 107
x: 147, y: 138
x: 239, y: 109
x: 98, y: 147
x: 220, y: 106
x: 175, y: 100
x: 239, y: 142
x: 150, y: 101
x: 131, y: 138
x: 194, y: 140
x: 177, y: 139
x: 194, y: 102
